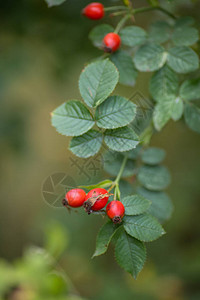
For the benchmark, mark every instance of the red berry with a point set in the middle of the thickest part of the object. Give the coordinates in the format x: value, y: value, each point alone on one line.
x: 94, y: 199
x: 111, y: 42
x: 94, y: 11
x: 74, y: 198
x: 115, y: 211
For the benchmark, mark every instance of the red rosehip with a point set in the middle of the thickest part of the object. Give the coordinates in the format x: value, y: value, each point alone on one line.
x: 111, y: 42
x: 115, y: 211
x: 95, y: 200
x: 94, y: 11
x: 74, y: 198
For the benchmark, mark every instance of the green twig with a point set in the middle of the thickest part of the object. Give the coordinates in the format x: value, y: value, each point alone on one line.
x: 121, y: 170
x: 115, y: 8
x: 150, y: 8
x: 116, y: 182
x: 122, y: 22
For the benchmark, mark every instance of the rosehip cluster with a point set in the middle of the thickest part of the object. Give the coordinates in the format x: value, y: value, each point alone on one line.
x: 95, y: 200
x: 95, y: 11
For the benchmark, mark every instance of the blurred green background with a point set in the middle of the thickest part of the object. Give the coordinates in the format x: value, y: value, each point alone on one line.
x: 42, y: 52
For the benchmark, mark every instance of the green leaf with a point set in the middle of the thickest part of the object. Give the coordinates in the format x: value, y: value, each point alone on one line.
x: 150, y: 57
x: 97, y: 34
x: 124, y: 63
x: 134, y: 153
x: 159, y: 32
x: 144, y: 227
x: 165, y: 110
x: 185, y: 36
x: 153, y: 156
x: 121, y: 139
x: 135, y: 204
x: 192, y: 117
x: 72, y: 118
x: 130, y: 254
x: 104, y: 237
x: 161, y: 205
x: 115, y: 112
x: 112, y: 163
x: 184, y: 21
x: 54, y: 2
x: 162, y: 113
x: 154, y: 178
x: 183, y: 59
x: 143, y: 117
x: 177, y: 109
x: 97, y: 81
x: 190, y: 89
x: 103, y: 184
x: 86, y: 145
x: 164, y: 84
x: 126, y: 188
x: 133, y: 36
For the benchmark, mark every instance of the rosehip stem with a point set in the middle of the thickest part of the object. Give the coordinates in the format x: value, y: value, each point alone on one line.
x: 122, y: 22
x: 115, y: 8
x: 116, y: 182
x: 149, y: 8
x: 118, y: 13
x: 121, y: 169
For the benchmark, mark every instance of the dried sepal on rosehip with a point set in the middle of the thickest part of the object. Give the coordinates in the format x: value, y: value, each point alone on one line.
x: 94, y: 11
x: 111, y: 42
x: 96, y: 199
x: 74, y: 198
x: 115, y: 211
